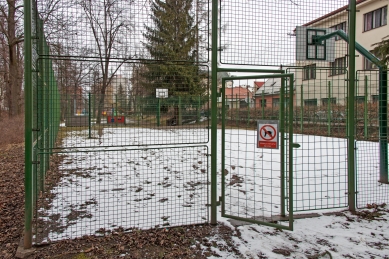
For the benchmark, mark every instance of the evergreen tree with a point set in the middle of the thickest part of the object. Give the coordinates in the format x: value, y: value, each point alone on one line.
x: 381, y: 50
x: 171, y: 43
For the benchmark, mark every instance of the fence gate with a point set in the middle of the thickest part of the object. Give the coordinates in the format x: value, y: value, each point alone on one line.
x: 257, y: 156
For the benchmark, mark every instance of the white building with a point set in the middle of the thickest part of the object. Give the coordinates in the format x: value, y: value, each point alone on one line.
x: 318, y: 82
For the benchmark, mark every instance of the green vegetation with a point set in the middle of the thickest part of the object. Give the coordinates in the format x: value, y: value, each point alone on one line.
x: 381, y: 50
x: 171, y: 43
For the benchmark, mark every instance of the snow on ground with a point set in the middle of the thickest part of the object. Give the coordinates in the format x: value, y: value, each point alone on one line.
x: 144, y: 188
x: 338, y: 236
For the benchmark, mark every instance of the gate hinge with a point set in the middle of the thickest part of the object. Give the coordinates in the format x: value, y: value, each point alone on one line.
x: 36, y: 162
x: 36, y: 129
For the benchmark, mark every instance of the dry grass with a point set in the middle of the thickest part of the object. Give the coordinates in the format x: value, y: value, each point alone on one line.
x: 12, y: 130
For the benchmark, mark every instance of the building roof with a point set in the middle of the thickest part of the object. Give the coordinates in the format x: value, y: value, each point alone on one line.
x: 271, y: 86
x: 258, y: 84
x: 332, y: 13
x: 237, y: 92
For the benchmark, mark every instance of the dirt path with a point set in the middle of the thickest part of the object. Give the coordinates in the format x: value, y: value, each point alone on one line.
x: 11, y: 198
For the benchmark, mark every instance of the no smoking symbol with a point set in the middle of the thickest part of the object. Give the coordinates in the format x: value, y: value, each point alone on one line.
x: 268, y: 132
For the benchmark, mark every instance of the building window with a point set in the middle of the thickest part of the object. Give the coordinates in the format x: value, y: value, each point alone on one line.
x: 338, y: 66
x: 324, y: 101
x: 309, y: 72
x: 310, y: 102
x: 368, y: 65
x: 376, y: 18
x: 340, y: 26
x: 276, y: 102
x: 263, y: 102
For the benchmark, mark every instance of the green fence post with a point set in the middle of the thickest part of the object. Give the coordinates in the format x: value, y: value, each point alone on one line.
x: 214, y: 69
x: 301, y: 109
x: 290, y: 154
x: 351, y: 113
x: 159, y: 112
x: 237, y: 108
x: 198, y: 108
x: 383, y: 123
x: 223, y: 141
x: 116, y: 114
x: 248, y: 107
x: 42, y: 106
x: 94, y: 106
x: 139, y: 111
x: 365, y: 109
x: 263, y: 104
x: 329, y: 109
x: 89, y: 115
x: 28, y: 115
x: 179, y: 111
x: 282, y: 142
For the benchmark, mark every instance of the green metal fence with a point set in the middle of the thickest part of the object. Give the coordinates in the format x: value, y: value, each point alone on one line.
x: 42, y: 114
x: 336, y: 125
x: 257, y: 181
x: 368, y: 138
x: 105, y: 149
x: 114, y: 139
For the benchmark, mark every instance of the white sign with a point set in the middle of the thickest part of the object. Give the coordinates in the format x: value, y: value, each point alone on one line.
x: 161, y: 93
x: 267, y: 135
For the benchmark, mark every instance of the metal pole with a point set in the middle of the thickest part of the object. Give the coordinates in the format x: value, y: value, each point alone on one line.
x: 248, y: 106
x: 329, y: 109
x: 383, y: 123
x: 365, y: 117
x: 214, y: 69
x: 351, y: 112
x: 28, y: 115
x: 290, y: 154
x: 263, y: 104
x: 89, y: 115
x: 283, y: 133
x: 223, y: 143
x: 301, y: 109
x: 159, y: 112
x: 179, y: 111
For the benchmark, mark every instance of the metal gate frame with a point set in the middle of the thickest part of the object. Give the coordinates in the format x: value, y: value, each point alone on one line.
x: 286, y: 153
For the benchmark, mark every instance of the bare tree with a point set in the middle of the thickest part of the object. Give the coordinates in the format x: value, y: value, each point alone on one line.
x: 11, y: 52
x: 10, y: 11
x: 110, y: 26
x: 73, y: 77
x: 3, y: 67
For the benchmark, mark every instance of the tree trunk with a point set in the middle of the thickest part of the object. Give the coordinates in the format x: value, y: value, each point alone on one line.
x: 14, y: 78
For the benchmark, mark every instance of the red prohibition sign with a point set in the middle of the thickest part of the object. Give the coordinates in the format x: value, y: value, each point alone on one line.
x: 268, y: 132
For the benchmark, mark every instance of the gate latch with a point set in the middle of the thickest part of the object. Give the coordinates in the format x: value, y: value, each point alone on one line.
x: 296, y: 145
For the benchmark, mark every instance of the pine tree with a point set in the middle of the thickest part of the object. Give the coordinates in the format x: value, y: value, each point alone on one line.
x: 171, y: 44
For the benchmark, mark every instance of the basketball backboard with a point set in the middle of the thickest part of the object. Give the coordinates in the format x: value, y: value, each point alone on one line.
x: 307, y: 49
x: 161, y: 93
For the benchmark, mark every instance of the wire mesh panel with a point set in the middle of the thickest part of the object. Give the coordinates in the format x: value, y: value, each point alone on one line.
x: 319, y: 122
x: 370, y: 190
x: 254, y: 176
x: 100, y: 68
x: 99, y: 191
x: 264, y: 32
